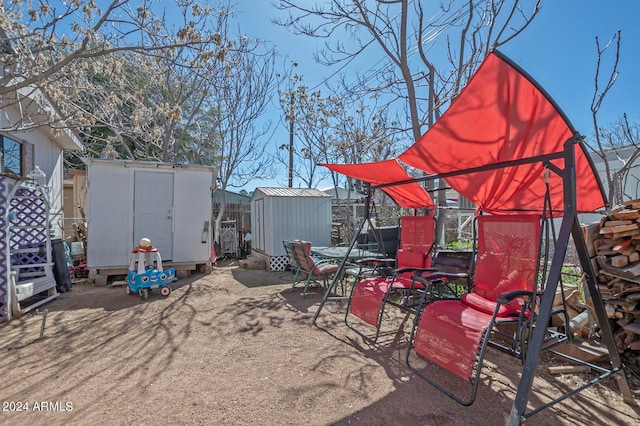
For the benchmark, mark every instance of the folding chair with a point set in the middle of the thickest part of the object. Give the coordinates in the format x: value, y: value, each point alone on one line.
x: 294, y: 263
x: 322, y: 269
x: 370, y: 295
x: 454, y: 334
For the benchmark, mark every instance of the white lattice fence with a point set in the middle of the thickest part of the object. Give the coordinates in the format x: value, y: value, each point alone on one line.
x: 4, y: 276
x: 28, y: 222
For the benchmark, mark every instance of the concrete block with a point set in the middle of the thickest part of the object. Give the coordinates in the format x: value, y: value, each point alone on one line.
x: 183, y: 274
x: 100, y: 280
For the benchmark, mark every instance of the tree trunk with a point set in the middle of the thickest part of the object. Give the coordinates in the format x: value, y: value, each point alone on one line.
x: 223, y: 209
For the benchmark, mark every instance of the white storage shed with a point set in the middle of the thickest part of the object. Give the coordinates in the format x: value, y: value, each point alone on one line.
x: 279, y: 214
x: 167, y: 203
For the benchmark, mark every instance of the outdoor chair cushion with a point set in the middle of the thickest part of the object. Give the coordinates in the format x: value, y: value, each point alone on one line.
x: 475, y: 301
x: 485, y: 300
x: 325, y: 268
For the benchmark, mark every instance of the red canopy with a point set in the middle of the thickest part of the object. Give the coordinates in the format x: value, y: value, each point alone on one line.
x: 501, y: 115
x: 411, y: 195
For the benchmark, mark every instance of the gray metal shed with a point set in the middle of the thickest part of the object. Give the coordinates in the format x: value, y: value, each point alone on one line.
x: 279, y: 214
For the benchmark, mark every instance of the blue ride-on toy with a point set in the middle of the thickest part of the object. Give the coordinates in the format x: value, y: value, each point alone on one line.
x: 146, y: 273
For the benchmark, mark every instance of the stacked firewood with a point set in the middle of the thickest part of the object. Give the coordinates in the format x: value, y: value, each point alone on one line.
x: 616, y: 245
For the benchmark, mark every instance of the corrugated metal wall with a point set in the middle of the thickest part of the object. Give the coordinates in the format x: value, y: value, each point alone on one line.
x: 302, y: 218
x: 289, y: 218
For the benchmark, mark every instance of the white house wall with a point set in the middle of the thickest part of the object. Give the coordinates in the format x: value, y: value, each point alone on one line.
x: 47, y: 155
x: 50, y: 159
x: 615, y: 159
x: 632, y: 183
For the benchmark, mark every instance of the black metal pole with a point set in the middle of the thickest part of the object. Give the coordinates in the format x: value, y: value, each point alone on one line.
x: 601, y: 314
x: 343, y: 262
x: 537, y: 339
x: 570, y: 226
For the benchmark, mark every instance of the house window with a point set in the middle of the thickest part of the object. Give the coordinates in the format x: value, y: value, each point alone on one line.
x: 11, y: 155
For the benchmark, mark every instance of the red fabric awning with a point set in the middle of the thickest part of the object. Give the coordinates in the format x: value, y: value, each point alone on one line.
x: 410, y: 195
x: 502, y: 116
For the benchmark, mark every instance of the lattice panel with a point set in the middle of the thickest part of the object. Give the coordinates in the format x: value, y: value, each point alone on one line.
x: 28, y: 240
x: 4, y: 276
x: 278, y: 263
x: 30, y: 259
x: 28, y: 215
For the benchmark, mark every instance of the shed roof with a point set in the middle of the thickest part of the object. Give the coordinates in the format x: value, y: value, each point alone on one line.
x: 289, y: 192
x: 147, y: 164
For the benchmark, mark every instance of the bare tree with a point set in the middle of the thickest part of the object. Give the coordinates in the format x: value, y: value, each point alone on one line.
x: 310, y: 117
x: 240, y: 97
x: 409, y: 37
x: 49, y: 56
x: 176, y: 96
x: 617, y: 142
x: 329, y: 131
x: 155, y: 111
x: 617, y: 145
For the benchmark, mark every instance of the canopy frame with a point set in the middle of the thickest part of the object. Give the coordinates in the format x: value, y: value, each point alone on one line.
x: 572, y: 165
x: 570, y: 227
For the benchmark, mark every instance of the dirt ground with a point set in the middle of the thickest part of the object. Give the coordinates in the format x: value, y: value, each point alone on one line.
x: 236, y: 348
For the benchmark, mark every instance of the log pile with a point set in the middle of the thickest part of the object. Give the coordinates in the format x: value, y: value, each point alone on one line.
x: 616, y: 250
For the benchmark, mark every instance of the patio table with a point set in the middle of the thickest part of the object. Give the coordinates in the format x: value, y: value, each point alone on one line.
x: 348, y: 257
x: 340, y: 252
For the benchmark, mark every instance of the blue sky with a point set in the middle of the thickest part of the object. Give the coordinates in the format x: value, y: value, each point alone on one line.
x: 558, y: 50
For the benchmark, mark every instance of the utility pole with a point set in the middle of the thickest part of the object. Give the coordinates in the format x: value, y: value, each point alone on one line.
x: 291, y: 118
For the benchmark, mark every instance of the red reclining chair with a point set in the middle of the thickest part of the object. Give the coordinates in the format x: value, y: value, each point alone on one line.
x: 370, y: 295
x: 454, y: 333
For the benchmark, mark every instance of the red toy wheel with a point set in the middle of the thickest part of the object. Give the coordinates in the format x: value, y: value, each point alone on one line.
x: 165, y: 290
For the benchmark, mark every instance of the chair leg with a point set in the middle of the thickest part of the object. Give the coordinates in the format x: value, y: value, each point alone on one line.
x: 382, y: 309
x: 295, y: 279
x: 306, y: 284
x: 326, y: 282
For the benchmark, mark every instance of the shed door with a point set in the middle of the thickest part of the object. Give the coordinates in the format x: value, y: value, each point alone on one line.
x: 258, y: 234
x: 153, y: 210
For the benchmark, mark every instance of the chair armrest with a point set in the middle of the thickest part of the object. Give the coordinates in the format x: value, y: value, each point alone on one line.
x: 508, y: 296
x: 429, y: 280
x: 438, y: 275
x: 398, y: 271
x: 376, y: 261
